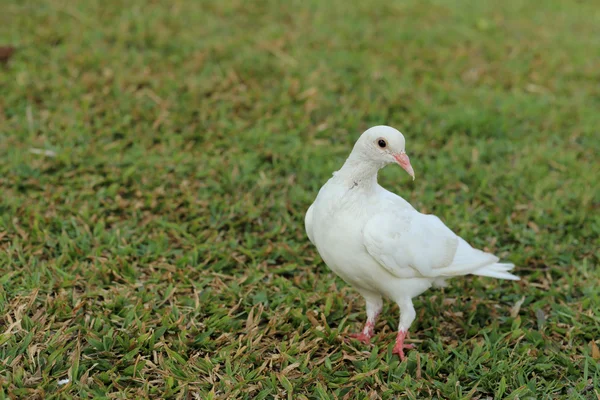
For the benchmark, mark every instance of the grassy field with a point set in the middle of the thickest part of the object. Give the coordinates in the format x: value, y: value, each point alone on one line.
x: 157, y: 159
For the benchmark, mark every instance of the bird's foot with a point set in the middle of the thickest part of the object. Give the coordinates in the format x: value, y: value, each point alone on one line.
x: 366, y: 334
x: 361, y: 337
x: 400, y: 346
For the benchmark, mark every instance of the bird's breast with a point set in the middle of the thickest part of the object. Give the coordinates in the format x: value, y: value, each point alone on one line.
x: 338, y: 238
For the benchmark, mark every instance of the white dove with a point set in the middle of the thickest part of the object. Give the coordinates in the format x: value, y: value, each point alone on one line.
x: 378, y: 243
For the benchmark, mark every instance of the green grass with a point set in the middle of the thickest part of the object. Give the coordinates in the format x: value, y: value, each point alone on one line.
x: 161, y: 252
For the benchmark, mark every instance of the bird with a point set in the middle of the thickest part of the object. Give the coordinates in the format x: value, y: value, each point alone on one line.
x: 378, y: 243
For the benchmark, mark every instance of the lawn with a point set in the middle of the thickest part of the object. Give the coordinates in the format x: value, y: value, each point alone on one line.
x: 157, y: 159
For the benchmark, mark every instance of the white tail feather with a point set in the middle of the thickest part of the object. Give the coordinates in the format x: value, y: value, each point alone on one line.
x: 498, y: 270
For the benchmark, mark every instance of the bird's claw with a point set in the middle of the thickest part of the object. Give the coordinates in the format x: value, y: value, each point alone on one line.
x: 361, y: 337
x: 399, y: 350
x: 400, y: 346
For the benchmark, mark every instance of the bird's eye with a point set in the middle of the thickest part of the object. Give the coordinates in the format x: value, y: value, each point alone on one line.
x: 382, y: 143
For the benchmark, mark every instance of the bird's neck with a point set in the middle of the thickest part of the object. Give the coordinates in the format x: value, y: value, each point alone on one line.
x: 357, y: 172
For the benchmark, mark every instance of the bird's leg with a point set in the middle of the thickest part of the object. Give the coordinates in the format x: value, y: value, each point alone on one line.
x: 407, y: 316
x: 400, y: 345
x: 374, y: 306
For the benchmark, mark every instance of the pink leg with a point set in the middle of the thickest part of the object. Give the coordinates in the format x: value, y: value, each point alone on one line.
x: 407, y: 316
x: 374, y: 305
x: 400, y: 346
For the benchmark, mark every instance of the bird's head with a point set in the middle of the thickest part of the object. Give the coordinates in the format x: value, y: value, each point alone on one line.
x: 383, y: 145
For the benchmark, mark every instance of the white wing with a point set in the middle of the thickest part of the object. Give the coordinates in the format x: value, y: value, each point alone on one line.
x: 410, y: 244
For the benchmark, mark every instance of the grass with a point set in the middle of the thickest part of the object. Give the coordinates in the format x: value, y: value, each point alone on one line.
x: 153, y: 245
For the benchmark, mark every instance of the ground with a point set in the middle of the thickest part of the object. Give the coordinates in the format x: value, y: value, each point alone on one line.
x: 157, y: 159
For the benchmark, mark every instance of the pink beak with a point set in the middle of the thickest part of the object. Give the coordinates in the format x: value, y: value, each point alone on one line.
x: 403, y: 160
